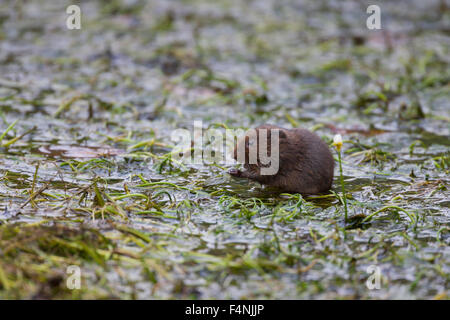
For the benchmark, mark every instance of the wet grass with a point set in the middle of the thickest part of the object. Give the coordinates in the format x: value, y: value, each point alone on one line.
x: 88, y: 175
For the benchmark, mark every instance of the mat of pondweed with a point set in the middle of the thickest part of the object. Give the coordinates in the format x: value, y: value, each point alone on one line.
x: 87, y: 178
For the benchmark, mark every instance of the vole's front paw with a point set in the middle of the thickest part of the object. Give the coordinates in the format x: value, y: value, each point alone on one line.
x: 235, y: 172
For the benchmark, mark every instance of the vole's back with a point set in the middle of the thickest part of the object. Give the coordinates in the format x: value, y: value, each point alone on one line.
x: 311, y: 163
x: 306, y: 163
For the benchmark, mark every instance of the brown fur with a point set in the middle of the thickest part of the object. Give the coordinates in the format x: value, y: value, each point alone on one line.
x: 306, y: 165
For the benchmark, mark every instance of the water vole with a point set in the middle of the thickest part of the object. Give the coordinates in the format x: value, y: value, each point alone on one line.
x: 305, y: 164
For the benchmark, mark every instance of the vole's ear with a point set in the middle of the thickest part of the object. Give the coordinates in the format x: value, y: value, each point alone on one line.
x: 281, y: 134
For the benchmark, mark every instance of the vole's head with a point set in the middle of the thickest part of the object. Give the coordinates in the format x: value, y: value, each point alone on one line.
x: 258, y: 144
